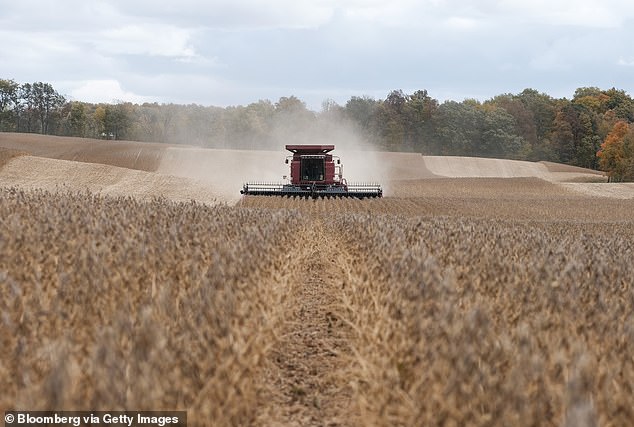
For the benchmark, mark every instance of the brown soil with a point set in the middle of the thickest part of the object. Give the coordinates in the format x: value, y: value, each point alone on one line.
x: 307, y: 373
x: 126, y: 154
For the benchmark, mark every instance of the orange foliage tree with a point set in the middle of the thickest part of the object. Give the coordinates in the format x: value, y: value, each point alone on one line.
x: 615, y: 153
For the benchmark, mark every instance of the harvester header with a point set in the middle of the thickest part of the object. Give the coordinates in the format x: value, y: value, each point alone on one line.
x: 314, y: 173
x: 310, y: 149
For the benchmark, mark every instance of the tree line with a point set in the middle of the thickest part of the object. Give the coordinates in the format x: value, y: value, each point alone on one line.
x: 594, y: 129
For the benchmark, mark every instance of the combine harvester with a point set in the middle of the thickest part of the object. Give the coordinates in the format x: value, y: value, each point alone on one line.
x: 314, y: 173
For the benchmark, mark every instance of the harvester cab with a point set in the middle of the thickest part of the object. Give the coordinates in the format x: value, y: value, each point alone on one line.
x: 315, y: 172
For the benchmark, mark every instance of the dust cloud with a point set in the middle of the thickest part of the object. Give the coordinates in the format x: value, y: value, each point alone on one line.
x: 226, y: 170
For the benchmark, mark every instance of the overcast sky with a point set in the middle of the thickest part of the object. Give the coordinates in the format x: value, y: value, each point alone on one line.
x: 234, y: 52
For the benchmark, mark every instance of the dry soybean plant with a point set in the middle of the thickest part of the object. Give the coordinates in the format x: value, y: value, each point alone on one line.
x: 489, y: 322
x: 115, y: 304
x: 462, y: 308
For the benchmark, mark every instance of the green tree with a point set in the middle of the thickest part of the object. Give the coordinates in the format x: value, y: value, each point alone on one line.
x: 524, y: 124
x: 543, y: 109
x: 592, y: 98
x: 118, y: 120
x: 587, y: 142
x: 459, y: 128
x: 362, y: 113
x: 25, y: 108
x: 621, y: 103
x: 77, y: 119
x: 563, y: 135
x: 391, y: 121
x: 9, y: 100
x: 499, y: 138
x: 361, y: 110
x: 45, y: 101
x: 420, y: 110
x: 99, y: 118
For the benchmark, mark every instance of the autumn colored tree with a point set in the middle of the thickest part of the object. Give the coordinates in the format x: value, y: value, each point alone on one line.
x: 628, y: 155
x: 612, y: 155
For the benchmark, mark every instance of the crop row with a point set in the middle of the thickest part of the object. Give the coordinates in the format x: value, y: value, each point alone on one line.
x: 464, y: 199
x: 116, y: 304
x: 489, y: 322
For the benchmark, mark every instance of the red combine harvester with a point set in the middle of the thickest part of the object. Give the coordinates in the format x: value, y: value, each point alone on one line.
x: 314, y: 173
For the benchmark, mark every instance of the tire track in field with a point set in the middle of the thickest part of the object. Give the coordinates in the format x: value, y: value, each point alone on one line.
x: 306, y: 381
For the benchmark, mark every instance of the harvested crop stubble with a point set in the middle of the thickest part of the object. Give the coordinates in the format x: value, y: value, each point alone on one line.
x: 488, y: 322
x: 113, y: 303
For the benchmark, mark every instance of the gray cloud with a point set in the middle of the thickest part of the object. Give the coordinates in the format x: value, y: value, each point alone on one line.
x: 228, y: 52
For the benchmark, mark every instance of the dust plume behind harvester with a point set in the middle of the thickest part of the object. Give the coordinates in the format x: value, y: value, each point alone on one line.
x: 315, y: 172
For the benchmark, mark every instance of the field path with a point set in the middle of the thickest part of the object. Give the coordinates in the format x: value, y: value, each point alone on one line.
x: 306, y: 380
